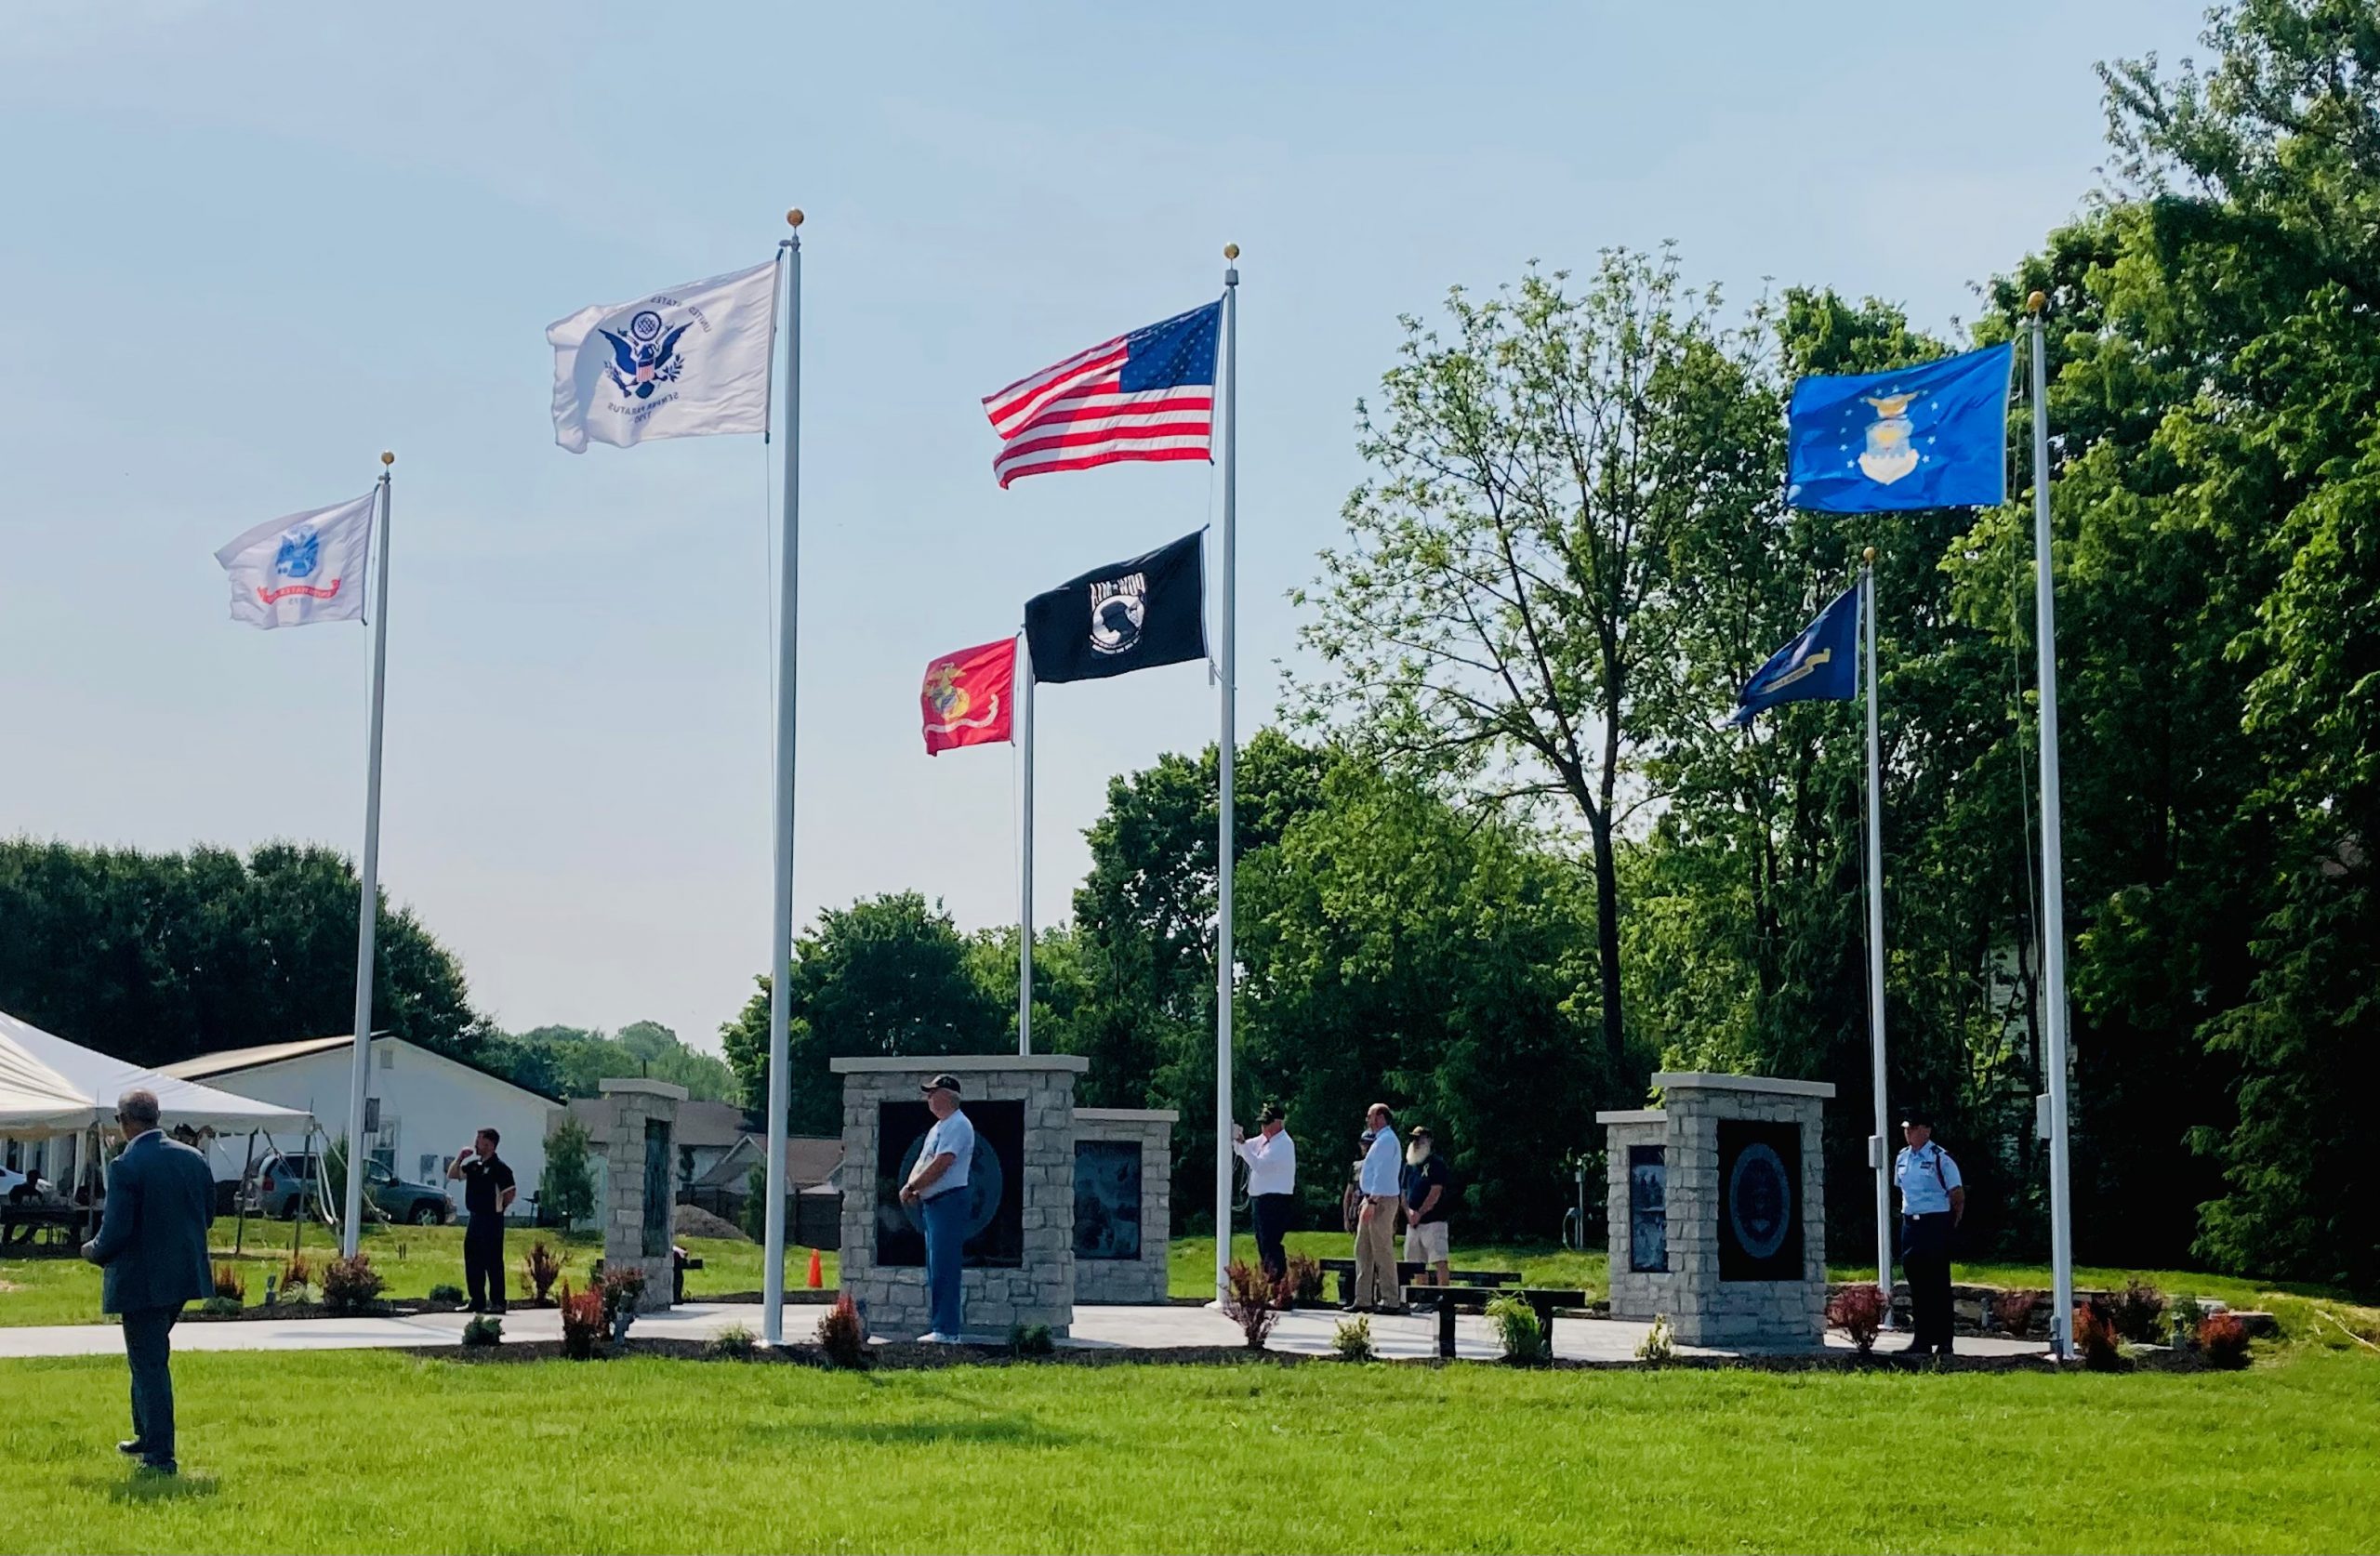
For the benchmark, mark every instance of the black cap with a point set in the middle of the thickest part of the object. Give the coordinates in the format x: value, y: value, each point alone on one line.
x: 1912, y: 1117
x: 944, y: 1082
x: 1420, y: 1132
x: 1270, y: 1113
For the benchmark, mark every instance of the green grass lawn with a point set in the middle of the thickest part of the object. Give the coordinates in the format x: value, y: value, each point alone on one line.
x: 377, y: 1451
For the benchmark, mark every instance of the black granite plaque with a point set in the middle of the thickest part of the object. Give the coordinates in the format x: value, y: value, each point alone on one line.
x: 1107, y: 1199
x: 660, y: 1201
x: 1648, y: 1212
x: 994, y: 1184
x: 1760, y: 1201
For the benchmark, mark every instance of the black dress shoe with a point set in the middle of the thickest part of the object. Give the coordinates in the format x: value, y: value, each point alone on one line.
x: 1915, y: 1350
x: 131, y: 1448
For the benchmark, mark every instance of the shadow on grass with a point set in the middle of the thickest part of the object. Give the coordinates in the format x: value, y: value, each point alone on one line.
x: 140, y: 1488
x: 966, y: 1420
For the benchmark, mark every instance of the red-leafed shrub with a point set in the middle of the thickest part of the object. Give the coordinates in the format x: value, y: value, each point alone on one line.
x: 582, y: 1322
x: 2013, y: 1311
x: 350, y: 1285
x: 841, y: 1334
x: 1253, y: 1301
x: 540, y: 1269
x: 230, y: 1283
x: 2095, y: 1337
x: 1858, y: 1312
x: 2139, y: 1311
x: 2223, y: 1340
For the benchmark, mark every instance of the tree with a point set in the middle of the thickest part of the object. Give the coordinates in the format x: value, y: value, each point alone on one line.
x: 574, y: 1062
x: 888, y: 975
x: 1504, y: 615
x: 567, y: 1186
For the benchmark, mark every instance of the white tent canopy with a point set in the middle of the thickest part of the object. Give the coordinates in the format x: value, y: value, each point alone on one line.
x: 49, y: 1086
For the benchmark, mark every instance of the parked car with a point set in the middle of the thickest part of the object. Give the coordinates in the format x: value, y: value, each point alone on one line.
x: 286, y: 1180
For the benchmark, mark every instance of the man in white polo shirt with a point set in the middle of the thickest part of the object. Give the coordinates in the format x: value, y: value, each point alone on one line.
x: 937, y: 1190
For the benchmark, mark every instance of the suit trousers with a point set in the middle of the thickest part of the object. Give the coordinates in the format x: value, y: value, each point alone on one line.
x: 1376, y: 1281
x: 483, y: 1261
x: 148, y: 1348
x: 1925, y: 1259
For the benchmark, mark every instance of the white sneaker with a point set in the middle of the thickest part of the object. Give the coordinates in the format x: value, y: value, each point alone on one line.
x: 933, y: 1336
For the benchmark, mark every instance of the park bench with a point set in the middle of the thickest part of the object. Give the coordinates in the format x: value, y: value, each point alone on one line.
x: 43, y: 1223
x: 1405, y: 1269
x: 1452, y: 1299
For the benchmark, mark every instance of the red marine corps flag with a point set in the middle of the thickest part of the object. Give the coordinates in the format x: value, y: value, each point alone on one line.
x: 968, y: 697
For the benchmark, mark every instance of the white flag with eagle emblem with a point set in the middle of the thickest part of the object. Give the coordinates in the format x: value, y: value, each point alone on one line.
x: 686, y: 363
x: 306, y: 568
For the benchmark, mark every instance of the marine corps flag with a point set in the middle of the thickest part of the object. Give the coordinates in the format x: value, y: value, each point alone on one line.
x: 970, y: 697
x: 1130, y: 615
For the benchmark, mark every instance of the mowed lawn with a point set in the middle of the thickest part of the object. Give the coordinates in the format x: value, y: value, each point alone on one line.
x: 380, y: 1451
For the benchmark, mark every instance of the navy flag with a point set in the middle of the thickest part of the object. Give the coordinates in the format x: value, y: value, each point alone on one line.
x: 1130, y: 615
x: 1931, y: 436
x: 1822, y: 665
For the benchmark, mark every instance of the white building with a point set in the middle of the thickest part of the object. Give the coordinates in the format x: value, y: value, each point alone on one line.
x: 423, y: 1106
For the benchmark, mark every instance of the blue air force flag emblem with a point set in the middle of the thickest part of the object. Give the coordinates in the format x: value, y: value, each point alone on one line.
x: 1931, y: 436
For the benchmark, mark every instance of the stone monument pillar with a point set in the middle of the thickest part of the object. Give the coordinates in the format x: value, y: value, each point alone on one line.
x: 1718, y: 1210
x: 1123, y: 1194
x: 1020, y: 1241
x: 641, y: 1183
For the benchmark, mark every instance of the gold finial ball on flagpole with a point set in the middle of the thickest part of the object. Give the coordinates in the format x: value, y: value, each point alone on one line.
x: 387, y: 458
x: 1231, y: 251
x: 1869, y: 556
x: 793, y: 216
x: 2035, y: 303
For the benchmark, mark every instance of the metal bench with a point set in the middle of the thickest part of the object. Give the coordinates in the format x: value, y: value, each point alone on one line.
x: 1405, y: 1269
x: 1452, y: 1300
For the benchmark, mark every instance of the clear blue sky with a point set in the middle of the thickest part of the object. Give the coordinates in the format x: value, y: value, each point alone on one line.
x: 248, y: 246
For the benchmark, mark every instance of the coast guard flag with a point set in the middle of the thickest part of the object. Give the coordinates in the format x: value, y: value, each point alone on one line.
x: 1147, y: 395
x: 1821, y: 664
x: 970, y: 697
x: 1931, y: 436
x: 686, y: 363
x: 1130, y: 615
x: 306, y: 568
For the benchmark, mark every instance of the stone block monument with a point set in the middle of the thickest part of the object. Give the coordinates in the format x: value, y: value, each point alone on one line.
x: 641, y: 1183
x: 1021, y: 1243
x: 1123, y: 1202
x: 1717, y: 1204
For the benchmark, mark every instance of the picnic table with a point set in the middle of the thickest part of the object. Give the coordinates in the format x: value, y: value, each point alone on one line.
x: 32, y: 1224
x: 1405, y: 1269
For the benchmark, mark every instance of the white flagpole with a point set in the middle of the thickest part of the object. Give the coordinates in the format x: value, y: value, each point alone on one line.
x: 1876, y: 945
x: 367, y: 911
x: 1024, y: 682
x: 1226, y: 748
x: 781, y: 923
x: 2061, y: 1212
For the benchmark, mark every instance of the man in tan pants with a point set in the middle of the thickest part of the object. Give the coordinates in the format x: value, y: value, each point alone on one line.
x: 1381, y: 1186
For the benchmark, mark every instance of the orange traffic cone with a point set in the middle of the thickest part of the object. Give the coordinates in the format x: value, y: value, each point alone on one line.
x: 817, y: 1272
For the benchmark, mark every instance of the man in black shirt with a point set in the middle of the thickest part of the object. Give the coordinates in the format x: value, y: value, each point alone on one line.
x: 487, y: 1193
x: 1426, y: 1185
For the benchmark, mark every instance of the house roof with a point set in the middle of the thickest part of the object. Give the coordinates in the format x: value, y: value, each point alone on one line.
x: 226, y: 1061
x: 810, y: 1161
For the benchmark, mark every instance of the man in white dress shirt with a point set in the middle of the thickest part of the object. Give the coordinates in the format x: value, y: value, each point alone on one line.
x: 1272, y: 1159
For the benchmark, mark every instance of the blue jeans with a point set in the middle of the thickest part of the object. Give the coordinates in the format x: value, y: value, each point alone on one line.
x: 946, y: 1219
x: 148, y: 1346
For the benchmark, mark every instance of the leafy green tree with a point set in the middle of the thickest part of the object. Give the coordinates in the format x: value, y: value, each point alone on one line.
x: 888, y: 975
x: 567, y: 1189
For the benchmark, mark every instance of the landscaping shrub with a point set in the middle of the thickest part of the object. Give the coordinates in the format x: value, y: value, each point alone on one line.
x: 583, y: 1329
x: 1858, y: 1312
x: 220, y: 1305
x: 841, y: 1334
x: 621, y: 1289
x: 540, y: 1267
x: 2095, y: 1337
x: 1031, y: 1339
x: 734, y: 1343
x: 1353, y: 1338
x: 484, y: 1328
x: 2013, y: 1311
x: 1253, y: 1302
x: 2138, y: 1312
x: 230, y: 1283
x: 350, y: 1285
x: 1303, y: 1280
x: 2223, y: 1338
x: 446, y: 1292
x: 1659, y: 1344
x: 1525, y: 1341
x: 297, y: 1274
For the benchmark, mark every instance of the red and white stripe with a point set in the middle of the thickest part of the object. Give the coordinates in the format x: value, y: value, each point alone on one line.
x: 1077, y: 414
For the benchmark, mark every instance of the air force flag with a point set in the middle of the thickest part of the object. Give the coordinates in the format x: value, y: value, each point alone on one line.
x: 1821, y: 665
x: 306, y: 568
x: 1931, y: 436
x: 681, y: 363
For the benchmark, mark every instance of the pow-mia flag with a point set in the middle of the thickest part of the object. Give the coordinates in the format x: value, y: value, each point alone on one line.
x: 1127, y: 616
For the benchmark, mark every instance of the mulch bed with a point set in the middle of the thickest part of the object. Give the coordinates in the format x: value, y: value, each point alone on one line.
x: 409, y: 1309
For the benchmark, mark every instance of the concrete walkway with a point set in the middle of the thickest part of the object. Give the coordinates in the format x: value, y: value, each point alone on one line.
x: 1153, y: 1328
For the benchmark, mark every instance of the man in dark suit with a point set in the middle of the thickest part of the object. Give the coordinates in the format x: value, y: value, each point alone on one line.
x: 153, y: 1245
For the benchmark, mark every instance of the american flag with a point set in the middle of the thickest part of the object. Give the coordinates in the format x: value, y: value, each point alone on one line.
x: 1147, y: 395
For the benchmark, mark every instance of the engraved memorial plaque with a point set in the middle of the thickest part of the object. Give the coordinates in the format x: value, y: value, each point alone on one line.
x: 1649, y: 1217
x: 1107, y: 1199
x: 1760, y: 1201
